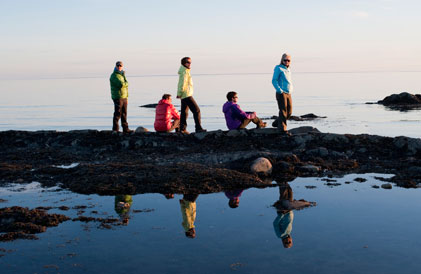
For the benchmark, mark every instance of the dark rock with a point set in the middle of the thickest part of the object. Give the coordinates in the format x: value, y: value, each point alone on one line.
x: 149, y: 106
x: 360, y: 180
x: 387, y: 186
x: 402, y: 101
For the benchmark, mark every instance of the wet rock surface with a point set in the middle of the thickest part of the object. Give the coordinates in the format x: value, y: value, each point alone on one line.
x: 23, y: 223
x: 402, y: 101
x: 110, y: 163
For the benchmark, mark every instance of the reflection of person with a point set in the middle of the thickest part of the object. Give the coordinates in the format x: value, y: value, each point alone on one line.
x: 234, y: 197
x: 235, y: 117
x: 164, y: 113
x: 281, y: 81
x: 188, y: 211
x: 284, y: 206
x: 119, y: 94
x: 185, y: 93
x: 122, y: 204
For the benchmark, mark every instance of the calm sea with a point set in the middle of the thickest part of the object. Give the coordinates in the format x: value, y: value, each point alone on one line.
x: 81, y: 103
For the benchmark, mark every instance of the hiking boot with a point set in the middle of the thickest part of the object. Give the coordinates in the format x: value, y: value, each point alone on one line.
x: 184, y: 132
x: 200, y: 130
x: 127, y: 131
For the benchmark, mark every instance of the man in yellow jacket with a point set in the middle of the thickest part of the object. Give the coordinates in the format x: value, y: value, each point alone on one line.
x: 185, y: 93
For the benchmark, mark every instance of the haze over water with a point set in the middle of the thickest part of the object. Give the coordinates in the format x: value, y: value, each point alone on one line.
x: 85, y: 103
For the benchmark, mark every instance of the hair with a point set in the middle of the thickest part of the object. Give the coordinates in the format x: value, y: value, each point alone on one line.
x: 184, y: 60
x: 284, y: 56
x: 230, y: 95
x: 166, y: 96
x: 233, y: 203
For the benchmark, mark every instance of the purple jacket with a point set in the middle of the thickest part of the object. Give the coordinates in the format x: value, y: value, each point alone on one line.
x: 234, y: 116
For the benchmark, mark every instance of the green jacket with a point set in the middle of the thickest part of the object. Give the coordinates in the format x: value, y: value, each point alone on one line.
x: 185, y: 83
x: 119, y: 85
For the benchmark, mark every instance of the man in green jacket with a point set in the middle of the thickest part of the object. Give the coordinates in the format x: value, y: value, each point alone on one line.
x: 119, y: 94
x: 185, y: 93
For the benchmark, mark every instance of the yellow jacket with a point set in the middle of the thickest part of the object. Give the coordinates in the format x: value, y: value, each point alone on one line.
x: 185, y: 83
x: 188, y: 210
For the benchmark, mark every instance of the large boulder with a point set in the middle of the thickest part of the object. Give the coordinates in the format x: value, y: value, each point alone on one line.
x: 261, y: 165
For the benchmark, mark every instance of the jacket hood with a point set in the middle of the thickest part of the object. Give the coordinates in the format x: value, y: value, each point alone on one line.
x: 227, y: 106
x: 163, y: 101
x: 182, y: 69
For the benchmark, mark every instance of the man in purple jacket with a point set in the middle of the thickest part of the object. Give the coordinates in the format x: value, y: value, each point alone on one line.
x: 235, y: 117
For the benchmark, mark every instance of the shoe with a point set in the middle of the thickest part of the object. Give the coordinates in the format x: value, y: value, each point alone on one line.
x: 128, y: 131
x: 184, y: 132
x: 200, y: 130
x: 286, y: 133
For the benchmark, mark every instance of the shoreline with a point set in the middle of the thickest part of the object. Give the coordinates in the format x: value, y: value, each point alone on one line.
x: 214, y: 161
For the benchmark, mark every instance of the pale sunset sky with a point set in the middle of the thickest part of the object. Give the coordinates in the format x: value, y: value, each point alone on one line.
x: 53, y: 39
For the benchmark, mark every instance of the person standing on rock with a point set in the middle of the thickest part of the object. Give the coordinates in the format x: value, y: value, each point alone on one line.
x: 119, y: 94
x: 165, y: 112
x: 281, y: 81
x: 237, y: 118
x: 185, y: 93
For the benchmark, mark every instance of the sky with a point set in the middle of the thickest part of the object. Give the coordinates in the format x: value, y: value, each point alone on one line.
x: 54, y: 39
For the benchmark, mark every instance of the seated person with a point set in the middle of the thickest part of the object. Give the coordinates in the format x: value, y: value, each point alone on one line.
x: 235, y: 117
x: 165, y: 112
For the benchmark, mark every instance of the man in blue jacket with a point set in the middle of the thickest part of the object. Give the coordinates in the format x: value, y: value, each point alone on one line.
x: 235, y: 117
x: 281, y: 81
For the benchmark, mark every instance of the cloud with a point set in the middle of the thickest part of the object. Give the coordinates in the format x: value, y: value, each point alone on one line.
x: 361, y: 14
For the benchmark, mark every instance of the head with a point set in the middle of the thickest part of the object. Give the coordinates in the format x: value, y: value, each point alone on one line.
x: 191, y: 233
x: 234, y: 203
x: 287, y: 241
x: 232, y: 96
x: 186, y: 62
x: 286, y: 60
x: 167, y: 97
x: 169, y: 195
x: 119, y: 65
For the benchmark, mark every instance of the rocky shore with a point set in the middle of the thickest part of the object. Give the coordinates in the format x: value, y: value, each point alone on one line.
x: 106, y: 163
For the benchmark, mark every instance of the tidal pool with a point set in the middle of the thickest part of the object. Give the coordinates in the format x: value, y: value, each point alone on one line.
x: 354, y: 228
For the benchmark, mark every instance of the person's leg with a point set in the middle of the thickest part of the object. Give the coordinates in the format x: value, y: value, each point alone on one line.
x: 244, y: 123
x: 175, y: 125
x: 196, y: 112
x: 282, y: 118
x: 184, y: 114
x: 258, y: 122
x: 117, y: 114
x: 124, y: 123
x: 289, y: 106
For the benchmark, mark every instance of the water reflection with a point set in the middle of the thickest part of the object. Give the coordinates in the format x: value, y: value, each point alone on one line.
x: 188, y: 211
x: 284, y: 208
x: 122, y: 205
x: 234, y: 197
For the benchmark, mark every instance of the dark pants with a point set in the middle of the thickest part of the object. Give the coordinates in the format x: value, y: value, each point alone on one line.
x: 120, y: 111
x: 187, y: 103
x: 285, y: 109
x: 256, y: 121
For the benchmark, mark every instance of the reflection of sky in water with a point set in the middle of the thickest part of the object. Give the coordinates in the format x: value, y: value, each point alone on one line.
x: 353, y: 229
x: 65, y: 104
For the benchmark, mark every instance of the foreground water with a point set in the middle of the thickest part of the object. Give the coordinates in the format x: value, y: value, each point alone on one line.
x: 80, y: 103
x: 354, y: 228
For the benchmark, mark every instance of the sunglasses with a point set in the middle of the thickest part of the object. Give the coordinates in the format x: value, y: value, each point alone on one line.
x: 119, y: 65
x: 287, y: 60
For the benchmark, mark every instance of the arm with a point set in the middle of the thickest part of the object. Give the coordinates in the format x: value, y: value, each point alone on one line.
x: 182, y: 85
x: 238, y: 113
x: 174, y: 113
x: 275, y: 83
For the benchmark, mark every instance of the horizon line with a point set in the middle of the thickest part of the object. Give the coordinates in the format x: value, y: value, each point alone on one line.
x: 208, y: 74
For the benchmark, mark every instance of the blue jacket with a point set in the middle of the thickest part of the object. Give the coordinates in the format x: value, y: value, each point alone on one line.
x: 281, y: 79
x: 234, y: 116
x: 283, y: 224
